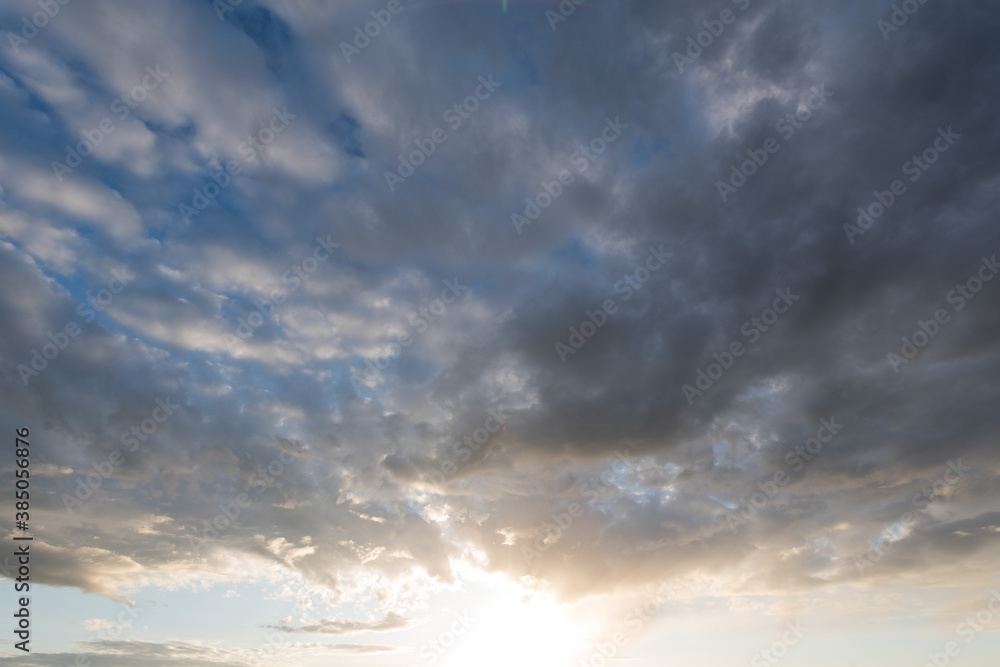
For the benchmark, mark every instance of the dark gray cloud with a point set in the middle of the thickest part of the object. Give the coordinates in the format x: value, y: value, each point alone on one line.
x: 354, y: 500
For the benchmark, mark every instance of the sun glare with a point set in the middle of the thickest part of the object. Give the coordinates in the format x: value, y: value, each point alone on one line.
x: 529, y: 633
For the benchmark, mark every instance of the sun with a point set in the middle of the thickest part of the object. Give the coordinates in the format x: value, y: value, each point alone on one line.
x: 535, y: 632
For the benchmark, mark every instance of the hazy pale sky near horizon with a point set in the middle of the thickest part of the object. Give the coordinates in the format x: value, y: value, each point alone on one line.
x: 393, y: 333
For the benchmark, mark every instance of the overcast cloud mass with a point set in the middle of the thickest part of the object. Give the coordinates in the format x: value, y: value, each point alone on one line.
x: 406, y: 333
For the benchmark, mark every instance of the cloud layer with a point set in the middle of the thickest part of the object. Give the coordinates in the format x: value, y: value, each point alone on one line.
x: 336, y: 350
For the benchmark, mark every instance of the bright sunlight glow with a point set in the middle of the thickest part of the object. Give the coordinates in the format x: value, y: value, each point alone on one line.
x: 527, y: 632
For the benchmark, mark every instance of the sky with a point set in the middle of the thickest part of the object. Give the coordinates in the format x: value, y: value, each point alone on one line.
x: 393, y: 333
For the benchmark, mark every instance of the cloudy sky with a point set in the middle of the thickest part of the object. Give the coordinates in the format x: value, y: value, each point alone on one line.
x: 409, y: 334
